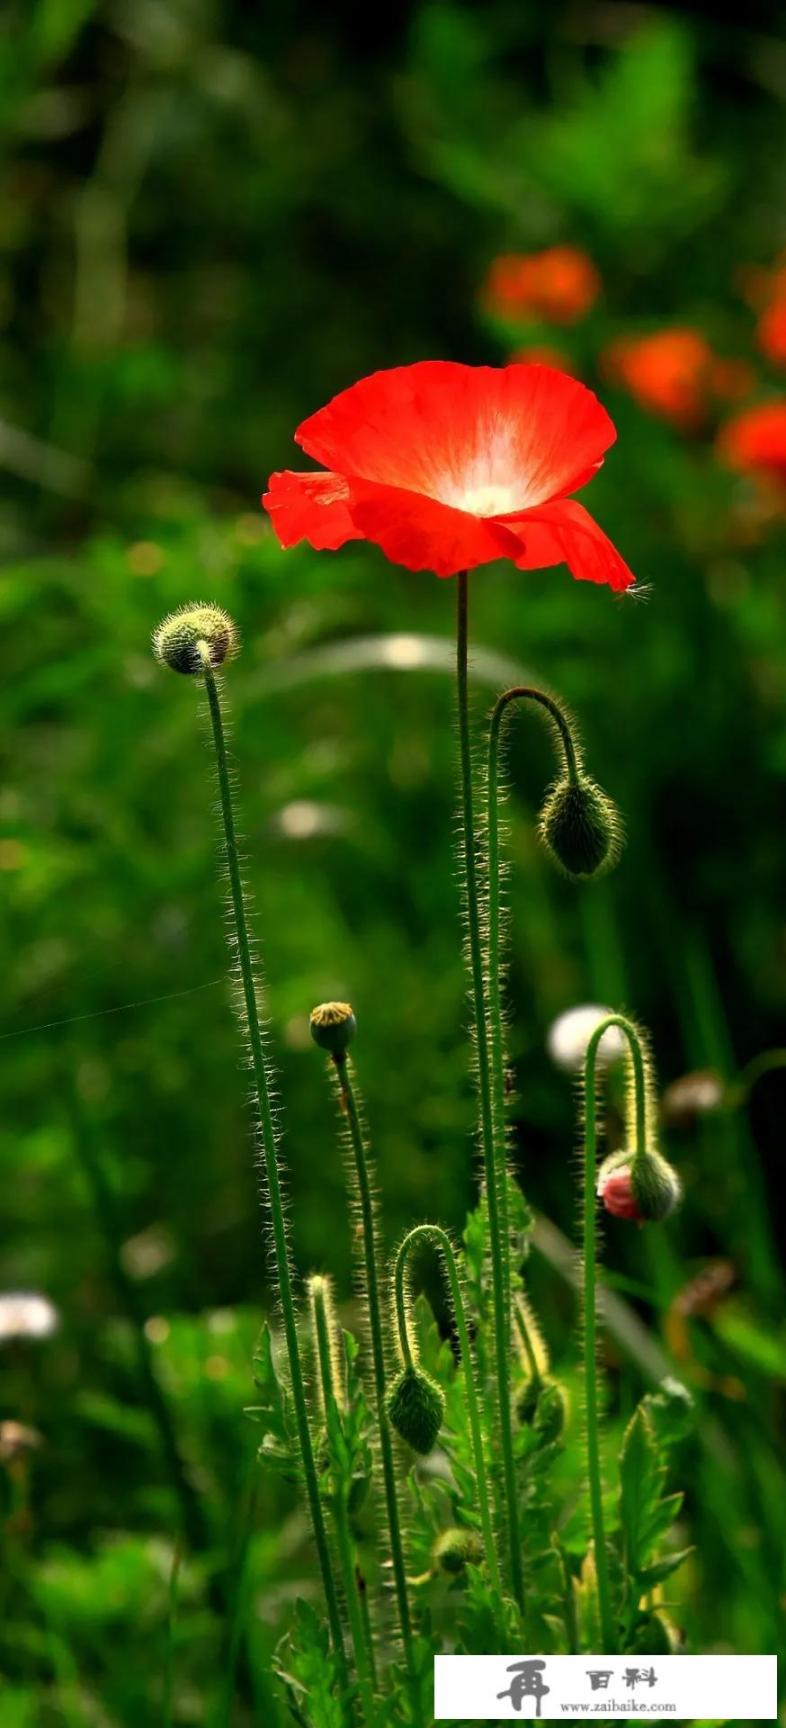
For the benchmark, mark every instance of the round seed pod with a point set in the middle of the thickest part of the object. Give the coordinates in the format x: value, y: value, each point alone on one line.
x: 580, y: 827
x: 416, y: 1406
x: 333, y: 1027
x: 180, y: 640
x: 456, y: 1549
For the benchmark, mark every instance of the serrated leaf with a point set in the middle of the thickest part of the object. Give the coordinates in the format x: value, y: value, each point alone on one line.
x: 278, y: 1447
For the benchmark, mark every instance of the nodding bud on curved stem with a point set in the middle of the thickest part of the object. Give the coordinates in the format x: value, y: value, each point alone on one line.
x: 636, y: 1182
x: 579, y: 825
x: 187, y: 639
x: 413, y: 1374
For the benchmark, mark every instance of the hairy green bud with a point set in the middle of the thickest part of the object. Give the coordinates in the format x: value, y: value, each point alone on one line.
x: 333, y: 1027
x: 416, y: 1406
x: 184, y: 639
x: 456, y: 1549
x: 580, y: 827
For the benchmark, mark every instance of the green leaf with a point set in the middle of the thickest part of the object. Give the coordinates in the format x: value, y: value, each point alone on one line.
x: 278, y: 1448
x: 306, y: 1668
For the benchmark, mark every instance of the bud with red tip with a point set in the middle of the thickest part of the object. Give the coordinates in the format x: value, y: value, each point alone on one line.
x: 640, y: 1186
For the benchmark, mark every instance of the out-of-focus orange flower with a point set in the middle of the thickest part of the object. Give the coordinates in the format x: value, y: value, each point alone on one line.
x: 771, y: 331
x: 754, y: 442
x: 558, y: 285
x: 675, y: 374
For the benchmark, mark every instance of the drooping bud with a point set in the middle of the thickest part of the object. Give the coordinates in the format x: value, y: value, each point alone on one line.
x: 416, y: 1406
x: 580, y: 827
x: 333, y: 1027
x: 642, y: 1187
x: 184, y: 639
x: 456, y: 1549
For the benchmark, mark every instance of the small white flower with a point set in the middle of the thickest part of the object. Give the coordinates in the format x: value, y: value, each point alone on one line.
x: 569, y: 1035
x: 26, y: 1314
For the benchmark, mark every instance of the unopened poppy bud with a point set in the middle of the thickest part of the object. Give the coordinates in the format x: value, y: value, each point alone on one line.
x: 644, y: 1187
x: 456, y: 1549
x: 580, y: 827
x: 416, y: 1406
x: 333, y: 1027
x: 186, y: 638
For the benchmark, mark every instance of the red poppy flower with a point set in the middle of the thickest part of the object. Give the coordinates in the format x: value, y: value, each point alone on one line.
x: 755, y: 441
x: 446, y: 467
x: 675, y: 374
x: 558, y: 285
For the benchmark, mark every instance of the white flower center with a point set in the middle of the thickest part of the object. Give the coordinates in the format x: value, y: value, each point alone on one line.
x: 488, y: 500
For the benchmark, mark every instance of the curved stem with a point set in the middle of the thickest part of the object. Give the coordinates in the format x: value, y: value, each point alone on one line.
x: 357, y: 1624
x: 378, y: 1362
x: 270, y: 1158
x: 435, y: 1234
x: 495, y: 1178
x: 519, y: 693
x: 767, y: 1062
x: 590, y: 1304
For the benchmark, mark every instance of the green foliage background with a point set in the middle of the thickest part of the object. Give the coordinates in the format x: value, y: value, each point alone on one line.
x: 213, y: 216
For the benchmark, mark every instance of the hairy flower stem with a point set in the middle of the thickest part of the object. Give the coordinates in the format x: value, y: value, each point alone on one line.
x: 368, y: 1234
x: 495, y: 1178
x: 358, y: 1626
x: 269, y: 1151
x: 520, y: 693
x: 589, y: 1314
x: 439, y: 1238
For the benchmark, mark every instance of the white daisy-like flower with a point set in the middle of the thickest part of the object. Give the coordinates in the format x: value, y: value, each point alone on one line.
x: 569, y: 1035
x: 26, y: 1314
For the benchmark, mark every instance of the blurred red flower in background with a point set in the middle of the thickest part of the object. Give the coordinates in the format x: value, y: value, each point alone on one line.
x: 446, y: 467
x: 558, y: 286
x: 675, y: 374
x: 754, y: 442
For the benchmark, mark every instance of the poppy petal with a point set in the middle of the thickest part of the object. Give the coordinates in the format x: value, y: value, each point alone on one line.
x: 485, y: 440
x: 422, y: 534
x: 565, y: 533
x: 310, y: 507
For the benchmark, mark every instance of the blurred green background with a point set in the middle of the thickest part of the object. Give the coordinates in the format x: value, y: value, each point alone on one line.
x: 213, y: 216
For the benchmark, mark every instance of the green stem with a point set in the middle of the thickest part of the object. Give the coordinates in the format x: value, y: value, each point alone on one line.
x: 590, y: 1300
x: 340, y: 1508
x: 433, y: 1233
x: 270, y: 1157
x: 495, y: 1178
x: 519, y: 693
x: 361, y: 1163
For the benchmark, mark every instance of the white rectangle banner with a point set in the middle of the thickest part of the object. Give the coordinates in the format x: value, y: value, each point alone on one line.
x: 553, y: 1688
